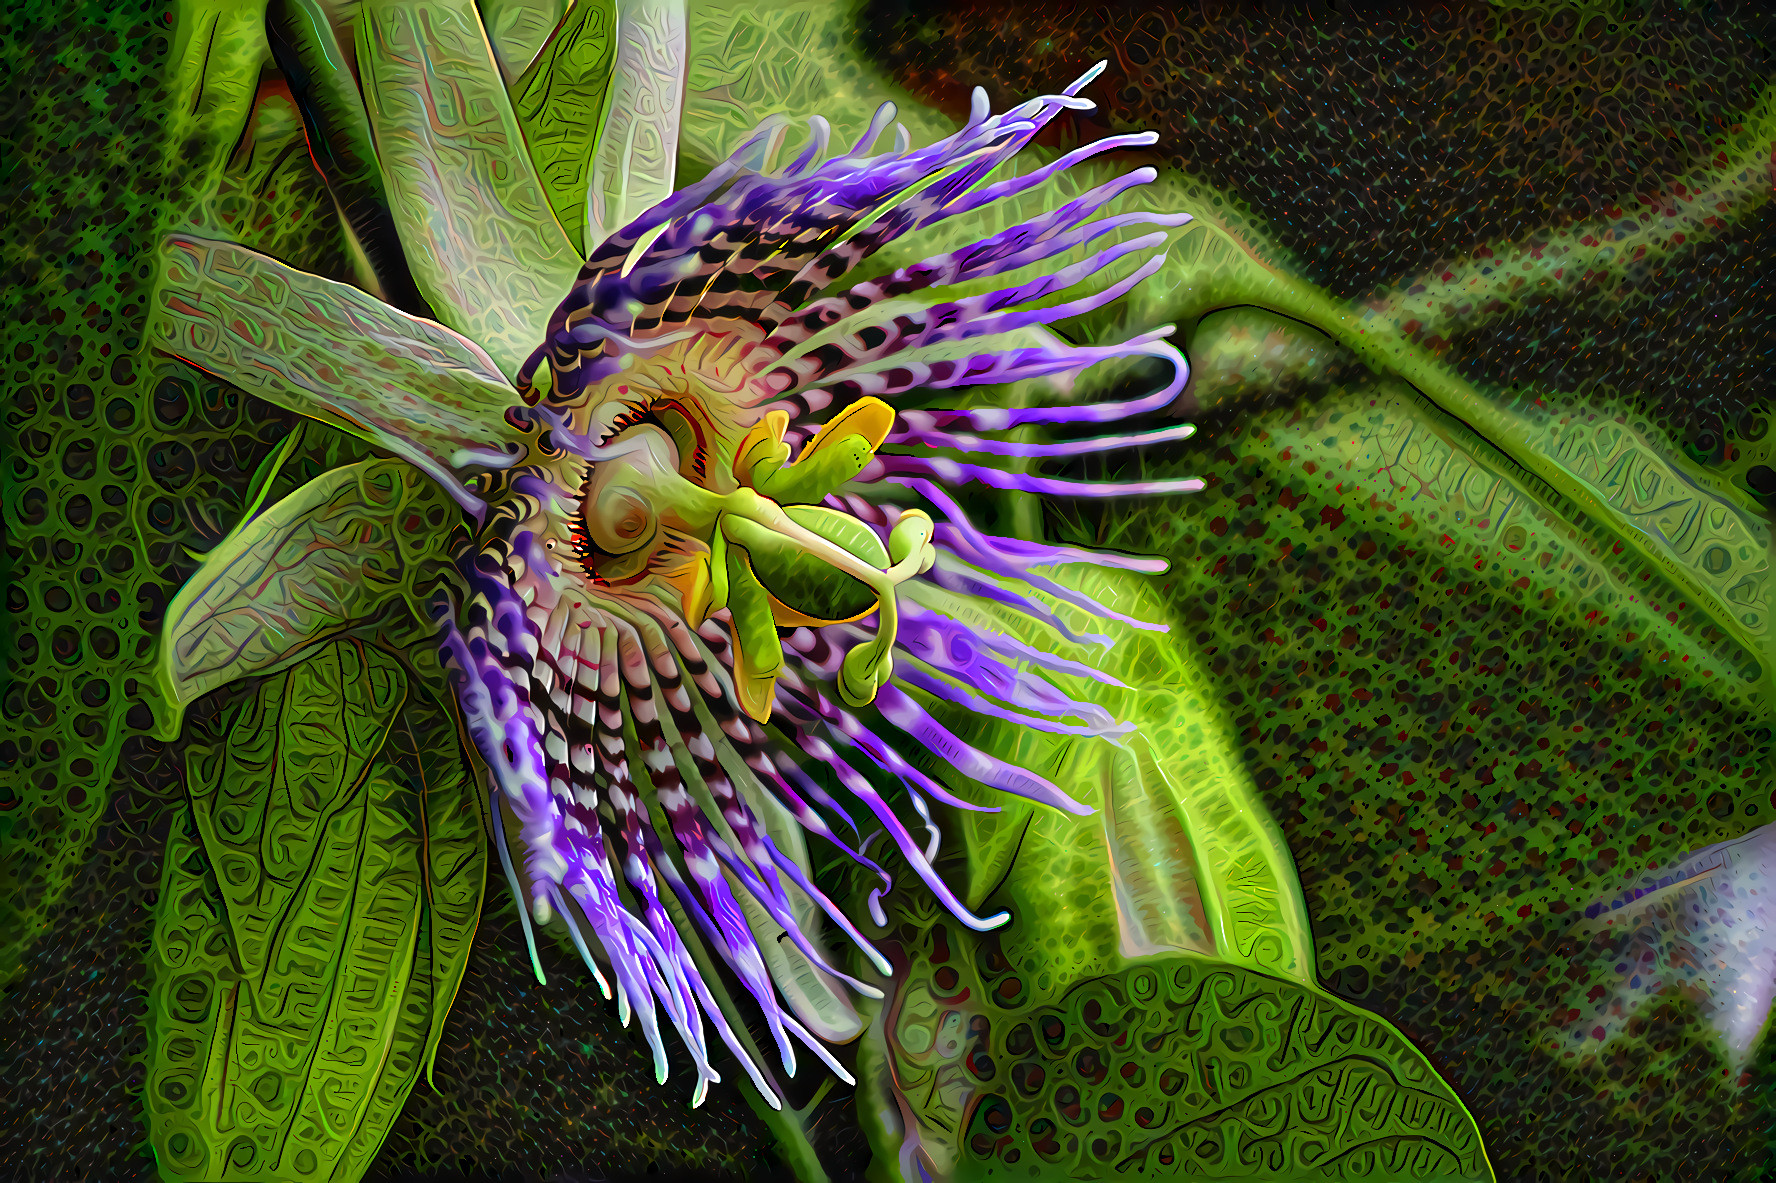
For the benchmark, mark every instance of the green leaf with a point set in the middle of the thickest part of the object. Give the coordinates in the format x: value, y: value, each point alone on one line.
x: 316, y: 911
x: 1148, y: 1069
x: 328, y: 351
x: 477, y: 226
x: 1163, y: 937
x: 336, y: 554
x: 1691, y: 528
x: 425, y: 741
x: 268, y: 810
x: 560, y: 103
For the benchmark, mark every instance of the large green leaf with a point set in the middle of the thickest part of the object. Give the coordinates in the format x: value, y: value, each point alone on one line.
x: 1152, y: 1006
x: 478, y: 230
x: 1172, y: 1067
x: 316, y: 909
x: 426, y: 743
x: 337, y: 553
x: 269, y: 807
x: 1703, y: 538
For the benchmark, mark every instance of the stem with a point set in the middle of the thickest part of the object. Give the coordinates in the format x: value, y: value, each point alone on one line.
x: 1381, y: 344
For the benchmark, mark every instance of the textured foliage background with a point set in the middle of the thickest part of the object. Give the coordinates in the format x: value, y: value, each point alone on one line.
x: 1462, y: 758
x: 1462, y: 755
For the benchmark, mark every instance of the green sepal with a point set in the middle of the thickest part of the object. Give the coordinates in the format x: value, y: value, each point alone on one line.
x: 560, y: 103
x: 338, y: 553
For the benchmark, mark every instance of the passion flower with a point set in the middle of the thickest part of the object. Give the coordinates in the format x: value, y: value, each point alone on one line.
x: 706, y: 541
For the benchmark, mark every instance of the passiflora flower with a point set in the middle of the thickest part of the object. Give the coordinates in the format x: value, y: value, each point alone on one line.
x: 705, y: 539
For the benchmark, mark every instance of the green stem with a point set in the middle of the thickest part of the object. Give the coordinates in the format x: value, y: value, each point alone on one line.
x: 1385, y: 348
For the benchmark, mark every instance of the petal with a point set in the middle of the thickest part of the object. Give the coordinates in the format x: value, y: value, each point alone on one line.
x: 329, y: 557
x: 518, y: 29
x: 329, y: 351
x: 637, y: 151
x: 485, y: 248
x: 560, y: 103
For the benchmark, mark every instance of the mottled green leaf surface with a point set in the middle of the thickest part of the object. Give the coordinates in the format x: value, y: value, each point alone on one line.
x: 1151, y: 1007
x: 314, y: 920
